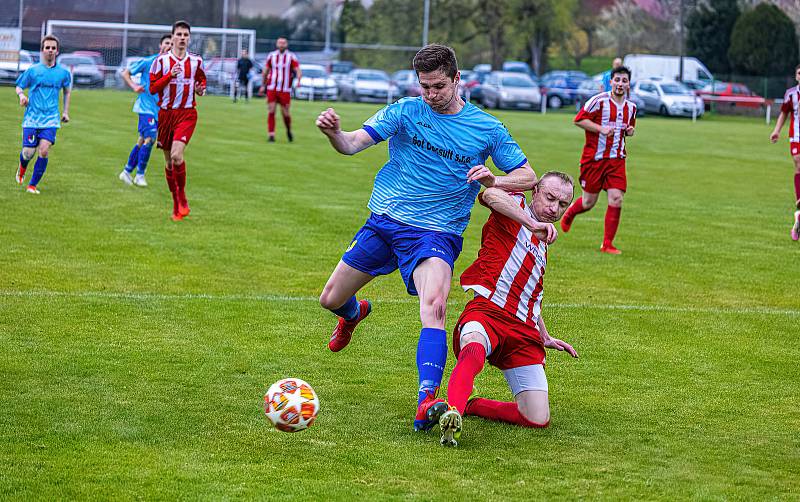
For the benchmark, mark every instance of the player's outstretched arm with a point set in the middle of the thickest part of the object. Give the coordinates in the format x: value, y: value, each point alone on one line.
x: 776, y: 133
x: 554, y: 343
x: 348, y: 143
x: 519, y: 180
x: 502, y: 202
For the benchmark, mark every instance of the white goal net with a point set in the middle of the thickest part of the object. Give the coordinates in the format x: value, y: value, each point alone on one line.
x: 111, y: 47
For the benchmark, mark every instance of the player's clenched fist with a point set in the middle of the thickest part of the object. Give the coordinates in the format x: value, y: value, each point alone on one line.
x: 176, y: 70
x: 481, y: 174
x: 328, y: 122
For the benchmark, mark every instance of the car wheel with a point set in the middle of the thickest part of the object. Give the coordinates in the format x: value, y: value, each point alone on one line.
x: 554, y: 102
x: 663, y: 111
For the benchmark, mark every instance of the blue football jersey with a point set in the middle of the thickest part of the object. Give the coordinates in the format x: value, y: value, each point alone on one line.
x: 146, y: 103
x: 424, y: 182
x: 44, y: 84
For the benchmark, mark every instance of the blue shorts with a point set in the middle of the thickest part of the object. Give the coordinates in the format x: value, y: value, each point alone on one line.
x: 31, y: 136
x: 383, y: 245
x: 148, y: 126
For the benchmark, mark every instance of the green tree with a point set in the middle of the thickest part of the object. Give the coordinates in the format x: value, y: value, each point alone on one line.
x: 763, y: 42
x: 539, y: 23
x: 709, y: 29
x: 352, y: 19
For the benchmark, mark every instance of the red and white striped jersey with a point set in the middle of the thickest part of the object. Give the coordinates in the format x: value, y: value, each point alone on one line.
x: 601, y: 109
x: 179, y: 91
x: 792, y: 110
x: 279, y: 70
x: 510, y: 267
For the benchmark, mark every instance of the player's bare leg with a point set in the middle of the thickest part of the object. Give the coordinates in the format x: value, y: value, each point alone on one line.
x: 287, y: 120
x: 338, y: 296
x: 584, y: 203
x: 432, y: 280
x: 796, y: 160
x: 25, y: 157
x: 179, y: 173
x: 271, y: 105
x: 613, y: 212
x: 529, y: 409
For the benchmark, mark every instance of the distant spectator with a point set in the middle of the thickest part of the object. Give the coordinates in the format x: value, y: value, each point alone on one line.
x: 243, y: 67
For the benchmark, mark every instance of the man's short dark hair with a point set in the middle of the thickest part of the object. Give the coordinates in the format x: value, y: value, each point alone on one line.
x: 164, y: 37
x: 51, y: 38
x: 435, y: 57
x: 621, y: 69
x: 181, y: 24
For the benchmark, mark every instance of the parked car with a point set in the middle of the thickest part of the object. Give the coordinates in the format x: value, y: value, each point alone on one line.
x: 504, y: 89
x: 517, y: 67
x: 316, y: 83
x: 482, y: 68
x: 84, y: 69
x: 594, y: 86
x: 695, y: 85
x: 668, y: 97
x: 340, y: 69
x: 561, y: 87
x: 407, y: 82
x: 220, y: 72
x: 472, y: 86
x: 732, y: 90
x: 126, y: 63
x: 368, y: 85
x: 8, y: 70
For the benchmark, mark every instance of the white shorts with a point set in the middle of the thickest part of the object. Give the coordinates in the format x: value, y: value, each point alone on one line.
x: 519, y: 379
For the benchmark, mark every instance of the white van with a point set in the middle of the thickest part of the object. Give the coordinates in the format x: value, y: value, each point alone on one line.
x: 666, y: 67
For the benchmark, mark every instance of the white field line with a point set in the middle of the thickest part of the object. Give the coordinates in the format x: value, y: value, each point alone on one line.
x: 409, y: 300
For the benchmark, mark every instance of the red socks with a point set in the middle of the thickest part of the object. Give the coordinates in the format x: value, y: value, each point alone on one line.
x: 612, y: 223
x: 470, y: 363
x: 500, y: 411
x: 574, y: 210
x: 797, y: 186
x: 180, y: 182
x: 173, y: 187
x: 271, y: 123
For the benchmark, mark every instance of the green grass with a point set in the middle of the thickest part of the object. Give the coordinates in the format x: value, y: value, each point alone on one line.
x: 135, y: 351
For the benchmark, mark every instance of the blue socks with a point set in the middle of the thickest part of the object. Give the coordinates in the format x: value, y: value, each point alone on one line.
x: 431, y: 358
x: 349, y: 310
x: 133, y: 159
x: 144, y: 158
x: 23, y: 161
x: 38, y: 170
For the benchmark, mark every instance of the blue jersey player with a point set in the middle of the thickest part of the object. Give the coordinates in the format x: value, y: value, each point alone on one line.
x: 41, y: 121
x: 146, y: 106
x: 420, y: 204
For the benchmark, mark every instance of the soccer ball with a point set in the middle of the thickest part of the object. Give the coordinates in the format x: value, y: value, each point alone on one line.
x: 291, y: 405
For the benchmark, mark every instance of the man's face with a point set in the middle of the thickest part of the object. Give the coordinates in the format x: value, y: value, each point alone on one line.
x: 616, y: 63
x: 49, y: 50
x: 282, y: 44
x: 438, y: 90
x: 244, y: 54
x: 797, y: 75
x: 551, y: 197
x: 180, y: 39
x: 165, y: 46
x: 620, y: 84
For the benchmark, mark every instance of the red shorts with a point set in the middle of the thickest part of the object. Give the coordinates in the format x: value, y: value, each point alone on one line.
x: 283, y: 98
x: 794, y: 148
x: 513, y: 342
x: 603, y: 174
x: 175, y: 125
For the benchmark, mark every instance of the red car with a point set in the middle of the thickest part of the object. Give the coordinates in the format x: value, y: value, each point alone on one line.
x: 731, y: 93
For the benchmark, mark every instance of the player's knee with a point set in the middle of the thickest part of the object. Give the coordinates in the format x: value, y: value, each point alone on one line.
x: 27, y: 153
x: 44, y: 151
x: 147, y: 141
x: 473, y: 337
x: 537, y: 416
x: 327, y: 299
x: 176, y: 158
x: 588, y: 202
x: 435, y: 307
x: 615, y: 200
x: 796, y: 159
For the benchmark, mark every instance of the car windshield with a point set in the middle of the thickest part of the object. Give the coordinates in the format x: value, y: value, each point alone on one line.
x: 341, y: 67
x: 517, y: 81
x: 379, y: 77
x: 313, y: 72
x: 675, y: 89
x: 75, y: 61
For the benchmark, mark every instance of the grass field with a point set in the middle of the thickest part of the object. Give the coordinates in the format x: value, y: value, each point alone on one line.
x: 136, y: 351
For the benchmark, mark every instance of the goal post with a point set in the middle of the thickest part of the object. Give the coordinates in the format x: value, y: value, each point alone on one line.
x: 113, y: 45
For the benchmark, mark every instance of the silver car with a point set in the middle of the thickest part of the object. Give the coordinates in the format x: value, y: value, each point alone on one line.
x: 668, y: 97
x: 316, y: 84
x: 368, y: 85
x: 503, y: 89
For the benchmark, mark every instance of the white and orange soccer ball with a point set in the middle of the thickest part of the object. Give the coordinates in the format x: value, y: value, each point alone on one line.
x: 291, y: 405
